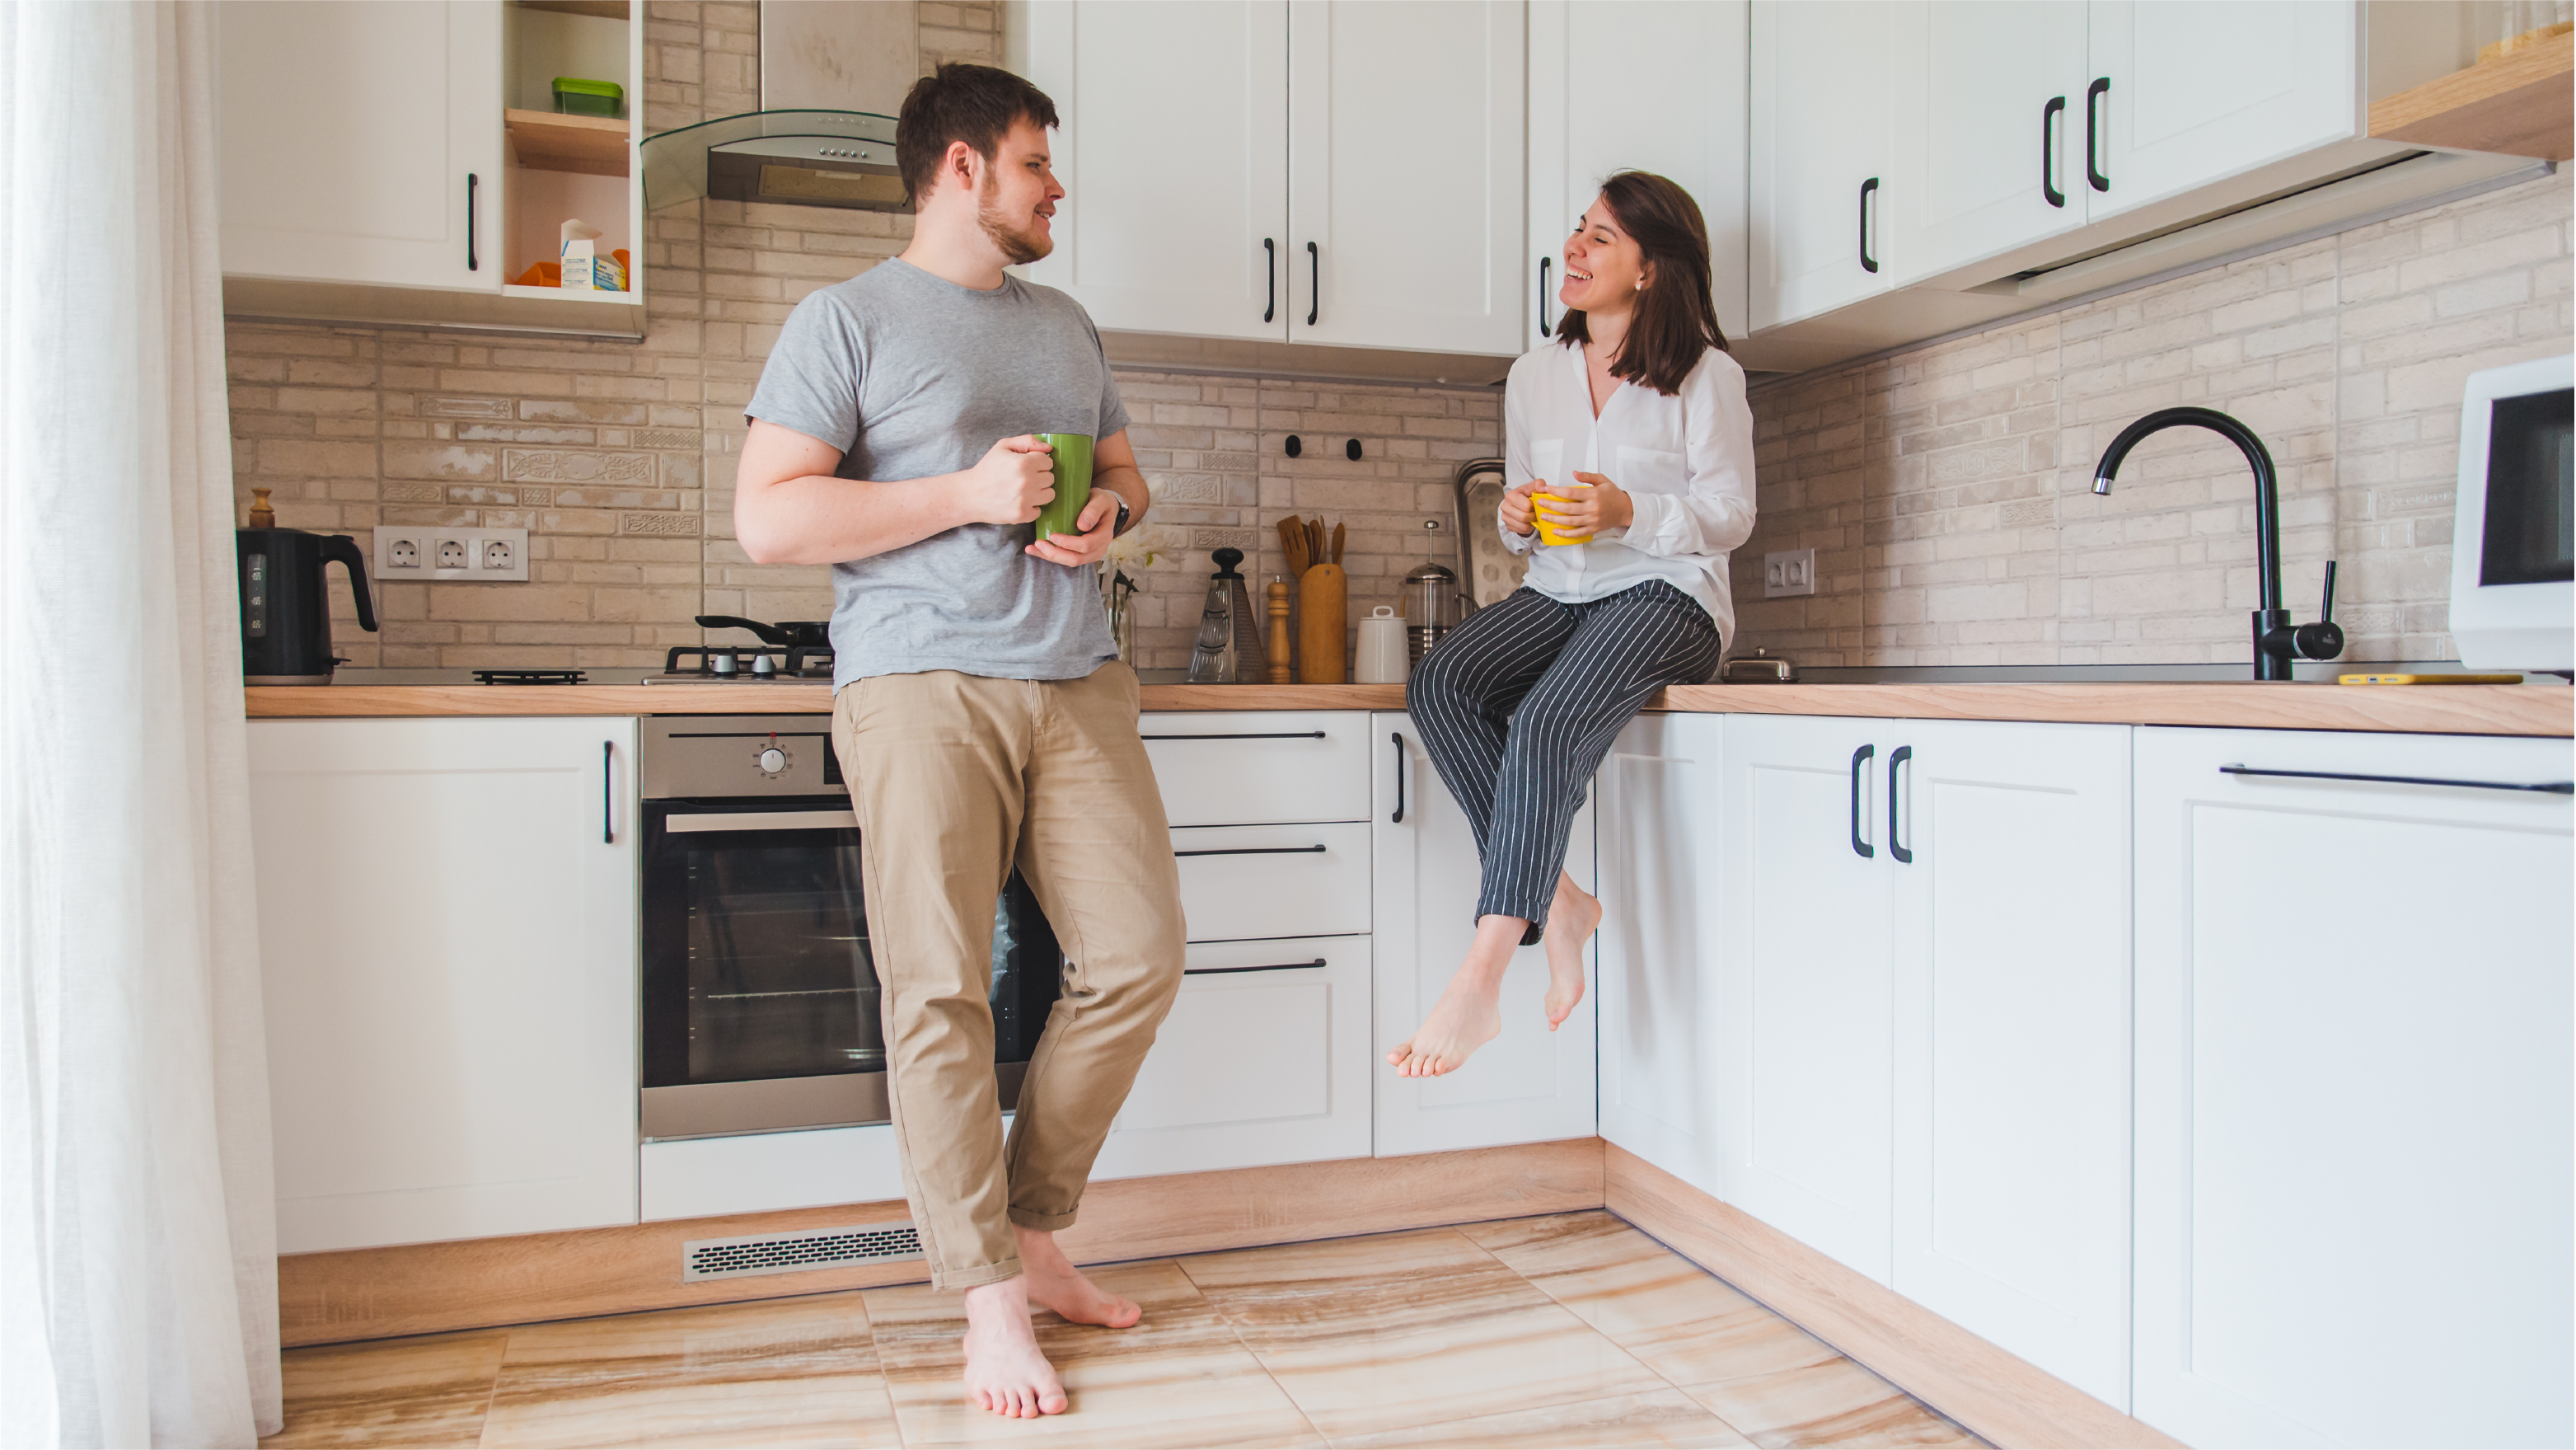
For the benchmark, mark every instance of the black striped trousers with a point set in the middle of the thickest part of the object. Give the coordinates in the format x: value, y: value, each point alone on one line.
x: 1518, y: 705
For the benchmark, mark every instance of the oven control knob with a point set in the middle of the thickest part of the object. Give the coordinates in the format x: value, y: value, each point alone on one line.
x: 772, y: 760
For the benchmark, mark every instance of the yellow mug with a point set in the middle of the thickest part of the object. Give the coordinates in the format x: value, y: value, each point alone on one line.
x: 1549, y: 533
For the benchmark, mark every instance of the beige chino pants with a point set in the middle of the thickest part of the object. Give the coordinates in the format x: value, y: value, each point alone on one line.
x: 956, y: 778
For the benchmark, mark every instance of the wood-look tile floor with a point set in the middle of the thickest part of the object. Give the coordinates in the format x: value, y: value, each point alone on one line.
x: 1572, y: 1329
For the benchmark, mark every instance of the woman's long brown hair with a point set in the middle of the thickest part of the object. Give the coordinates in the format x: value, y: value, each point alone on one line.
x: 1675, y: 323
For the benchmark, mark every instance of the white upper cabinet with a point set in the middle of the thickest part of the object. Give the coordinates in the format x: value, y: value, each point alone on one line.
x: 1164, y: 227
x: 1677, y: 108
x: 1993, y: 93
x: 1823, y: 147
x: 2184, y: 93
x: 1405, y: 179
x: 362, y: 143
x: 1528, y: 1085
x: 2354, y: 1202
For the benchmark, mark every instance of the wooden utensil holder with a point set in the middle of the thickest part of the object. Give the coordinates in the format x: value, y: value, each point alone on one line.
x: 1323, y: 604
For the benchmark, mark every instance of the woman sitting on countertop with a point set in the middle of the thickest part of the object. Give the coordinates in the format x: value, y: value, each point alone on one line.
x: 1628, y: 439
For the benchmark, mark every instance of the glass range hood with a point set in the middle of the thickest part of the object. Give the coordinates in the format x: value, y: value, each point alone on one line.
x: 839, y: 159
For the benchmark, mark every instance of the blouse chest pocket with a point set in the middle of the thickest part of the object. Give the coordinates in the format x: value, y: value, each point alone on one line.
x: 1651, y: 470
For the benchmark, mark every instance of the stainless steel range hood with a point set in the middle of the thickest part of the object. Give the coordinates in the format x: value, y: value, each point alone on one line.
x: 831, y: 74
x: 799, y: 158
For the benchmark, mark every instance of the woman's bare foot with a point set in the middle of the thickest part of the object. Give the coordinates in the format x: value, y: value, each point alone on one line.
x: 1570, y: 922
x: 1469, y: 1013
x: 1005, y: 1372
x: 1055, y: 1283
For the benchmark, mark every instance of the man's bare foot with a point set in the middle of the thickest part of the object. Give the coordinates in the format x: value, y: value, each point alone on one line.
x: 1005, y: 1372
x: 1055, y: 1283
x: 1467, y: 1016
x: 1570, y: 922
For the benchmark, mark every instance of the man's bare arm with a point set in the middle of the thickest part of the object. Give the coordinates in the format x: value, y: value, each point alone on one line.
x: 788, y: 508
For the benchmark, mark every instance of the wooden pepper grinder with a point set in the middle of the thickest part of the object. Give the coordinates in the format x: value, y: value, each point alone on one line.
x: 1280, y: 672
x: 261, y: 515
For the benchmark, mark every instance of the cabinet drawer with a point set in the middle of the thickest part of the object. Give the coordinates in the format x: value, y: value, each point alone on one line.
x: 1265, y: 1059
x: 1274, y: 881
x: 1227, y: 768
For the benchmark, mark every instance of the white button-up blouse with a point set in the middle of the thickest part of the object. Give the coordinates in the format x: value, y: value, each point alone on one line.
x: 1685, y: 460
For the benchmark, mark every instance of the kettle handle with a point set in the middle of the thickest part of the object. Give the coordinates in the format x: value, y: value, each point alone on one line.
x: 345, y: 549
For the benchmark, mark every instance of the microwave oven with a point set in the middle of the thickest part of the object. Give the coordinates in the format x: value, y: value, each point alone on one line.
x: 2513, y: 550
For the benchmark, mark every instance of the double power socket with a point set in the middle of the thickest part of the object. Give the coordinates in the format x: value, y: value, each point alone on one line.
x: 482, y: 556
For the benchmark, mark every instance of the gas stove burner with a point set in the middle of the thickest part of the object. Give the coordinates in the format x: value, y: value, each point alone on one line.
x: 528, y: 677
x: 747, y: 662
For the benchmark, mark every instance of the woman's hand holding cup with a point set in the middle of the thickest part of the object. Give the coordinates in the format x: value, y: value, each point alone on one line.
x: 1578, y: 513
x: 1517, y: 510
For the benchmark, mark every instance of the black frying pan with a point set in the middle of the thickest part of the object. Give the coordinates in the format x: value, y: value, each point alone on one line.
x: 794, y: 634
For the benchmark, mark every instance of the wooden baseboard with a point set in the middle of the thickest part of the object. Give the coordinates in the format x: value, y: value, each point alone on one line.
x: 479, y: 1283
x: 1997, y: 1394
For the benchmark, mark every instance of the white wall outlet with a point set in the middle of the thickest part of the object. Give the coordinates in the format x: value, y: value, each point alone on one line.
x: 1788, y: 572
x: 483, y: 556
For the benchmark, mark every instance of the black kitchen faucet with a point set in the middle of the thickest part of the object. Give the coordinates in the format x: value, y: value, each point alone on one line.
x: 2276, y: 640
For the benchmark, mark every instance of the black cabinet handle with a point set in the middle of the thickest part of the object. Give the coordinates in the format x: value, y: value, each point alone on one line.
x: 1258, y: 851
x: 2550, y: 787
x: 473, y: 263
x: 2093, y: 128
x: 1868, y: 263
x: 2048, y: 115
x: 1270, y: 262
x: 1398, y: 817
x: 1270, y: 735
x: 607, y: 793
x: 1273, y: 967
x: 1860, y: 757
x: 1896, y: 843
x: 1314, y: 283
x: 1543, y: 264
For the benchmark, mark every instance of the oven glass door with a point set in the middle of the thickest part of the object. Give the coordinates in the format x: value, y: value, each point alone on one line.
x: 760, y: 983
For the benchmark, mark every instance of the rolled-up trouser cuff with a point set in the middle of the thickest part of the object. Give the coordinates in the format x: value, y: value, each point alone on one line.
x: 976, y: 1277
x: 1041, y: 1222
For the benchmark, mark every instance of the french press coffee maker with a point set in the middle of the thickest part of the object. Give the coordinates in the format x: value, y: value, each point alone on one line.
x: 1430, y: 607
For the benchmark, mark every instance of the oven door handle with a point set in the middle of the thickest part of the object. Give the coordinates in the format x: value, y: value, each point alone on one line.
x: 764, y: 821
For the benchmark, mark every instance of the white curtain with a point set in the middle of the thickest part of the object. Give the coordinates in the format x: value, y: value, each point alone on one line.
x: 138, y: 1279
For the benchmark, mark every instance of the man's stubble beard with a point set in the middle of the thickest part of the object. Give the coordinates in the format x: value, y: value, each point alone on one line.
x: 1021, y: 246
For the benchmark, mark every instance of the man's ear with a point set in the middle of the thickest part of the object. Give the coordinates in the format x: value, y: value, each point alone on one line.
x: 959, y: 165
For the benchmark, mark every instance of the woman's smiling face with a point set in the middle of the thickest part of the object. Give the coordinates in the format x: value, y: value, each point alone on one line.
x: 1603, y: 264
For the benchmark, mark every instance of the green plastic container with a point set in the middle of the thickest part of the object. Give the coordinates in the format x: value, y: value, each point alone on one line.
x: 577, y: 97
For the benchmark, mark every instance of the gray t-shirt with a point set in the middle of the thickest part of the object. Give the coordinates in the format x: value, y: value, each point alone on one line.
x: 912, y: 376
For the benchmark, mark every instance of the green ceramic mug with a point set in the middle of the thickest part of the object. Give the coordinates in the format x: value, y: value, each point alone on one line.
x: 1072, y: 483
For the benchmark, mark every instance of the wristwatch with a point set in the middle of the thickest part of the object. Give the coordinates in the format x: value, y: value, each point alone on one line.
x: 1121, y: 526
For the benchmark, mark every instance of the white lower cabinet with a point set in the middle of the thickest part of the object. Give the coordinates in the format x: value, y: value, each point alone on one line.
x: 2009, y: 853
x: 1805, y: 985
x: 1661, y: 809
x: 448, y: 945
x: 1922, y: 982
x: 2354, y: 1174
x: 1528, y: 1085
x: 1240, y: 882
x: 1265, y: 1059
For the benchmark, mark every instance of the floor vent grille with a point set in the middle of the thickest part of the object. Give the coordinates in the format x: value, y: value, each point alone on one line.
x: 815, y: 1248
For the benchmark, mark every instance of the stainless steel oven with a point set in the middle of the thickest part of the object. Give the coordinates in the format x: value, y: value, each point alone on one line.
x: 760, y: 983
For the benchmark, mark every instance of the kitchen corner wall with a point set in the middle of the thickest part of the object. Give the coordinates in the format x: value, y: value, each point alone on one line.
x: 618, y: 457
x: 1947, y: 493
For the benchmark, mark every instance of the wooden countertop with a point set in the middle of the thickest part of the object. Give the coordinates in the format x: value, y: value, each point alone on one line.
x: 2422, y: 709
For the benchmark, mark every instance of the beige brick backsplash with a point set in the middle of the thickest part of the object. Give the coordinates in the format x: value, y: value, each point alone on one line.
x: 2346, y: 353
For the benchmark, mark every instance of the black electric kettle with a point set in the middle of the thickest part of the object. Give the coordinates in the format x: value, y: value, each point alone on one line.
x: 285, y: 607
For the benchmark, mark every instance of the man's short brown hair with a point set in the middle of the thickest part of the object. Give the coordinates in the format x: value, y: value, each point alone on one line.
x: 976, y: 104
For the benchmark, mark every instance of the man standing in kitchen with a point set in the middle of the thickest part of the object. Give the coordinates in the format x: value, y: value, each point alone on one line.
x: 980, y: 712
